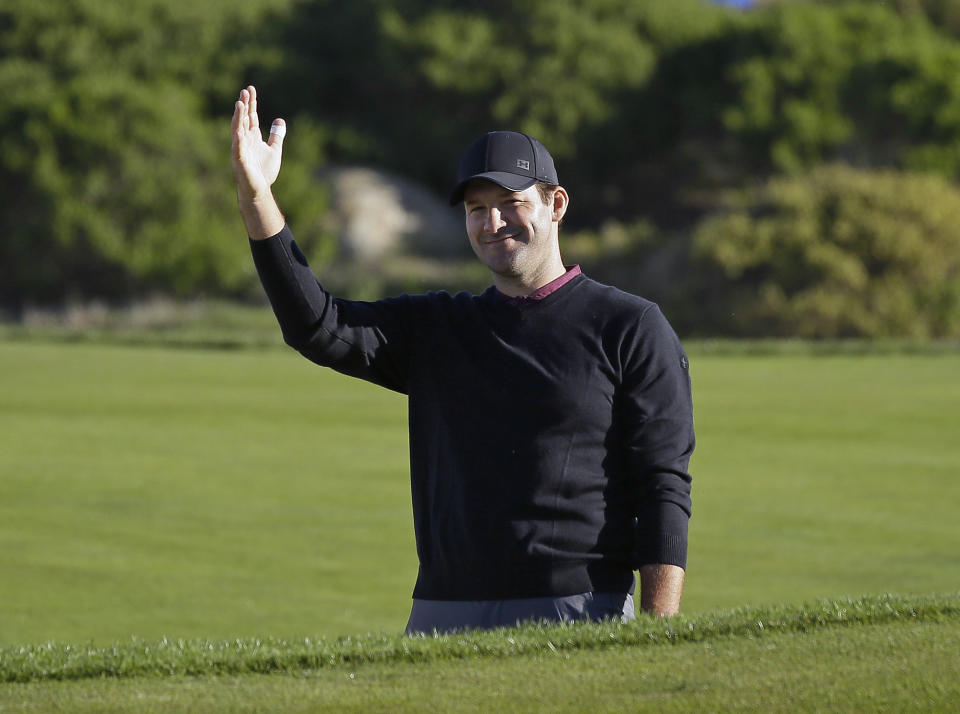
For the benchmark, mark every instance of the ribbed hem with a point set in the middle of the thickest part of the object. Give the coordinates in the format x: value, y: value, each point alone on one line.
x: 554, y: 579
x: 667, y: 549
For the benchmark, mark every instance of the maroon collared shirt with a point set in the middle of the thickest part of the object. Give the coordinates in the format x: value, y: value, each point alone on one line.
x: 551, y: 287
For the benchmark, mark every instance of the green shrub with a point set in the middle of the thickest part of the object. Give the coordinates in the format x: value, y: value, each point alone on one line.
x: 838, y: 252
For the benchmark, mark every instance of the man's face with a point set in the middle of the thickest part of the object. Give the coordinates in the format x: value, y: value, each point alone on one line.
x: 513, y: 233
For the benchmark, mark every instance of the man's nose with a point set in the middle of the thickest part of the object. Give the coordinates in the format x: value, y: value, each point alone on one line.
x: 493, y: 221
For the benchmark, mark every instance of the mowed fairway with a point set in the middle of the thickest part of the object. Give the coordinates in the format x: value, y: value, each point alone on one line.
x: 192, y: 493
x: 195, y: 493
x: 824, y: 476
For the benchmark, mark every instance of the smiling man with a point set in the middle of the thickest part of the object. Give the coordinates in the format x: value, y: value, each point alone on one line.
x: 551, y: 422
x: 513, y: 215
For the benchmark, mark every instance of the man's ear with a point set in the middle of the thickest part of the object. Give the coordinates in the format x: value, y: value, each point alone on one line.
x: 561, y: 200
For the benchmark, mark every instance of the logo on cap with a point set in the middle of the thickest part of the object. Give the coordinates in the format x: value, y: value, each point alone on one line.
x: 523, y: 164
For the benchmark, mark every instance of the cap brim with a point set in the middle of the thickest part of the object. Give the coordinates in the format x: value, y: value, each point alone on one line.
x: 511, y: 182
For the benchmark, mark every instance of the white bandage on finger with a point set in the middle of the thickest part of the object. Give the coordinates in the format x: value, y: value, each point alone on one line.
x: 279, y: 129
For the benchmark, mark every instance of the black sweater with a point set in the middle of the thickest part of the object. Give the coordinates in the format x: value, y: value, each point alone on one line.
x: 549, y: 441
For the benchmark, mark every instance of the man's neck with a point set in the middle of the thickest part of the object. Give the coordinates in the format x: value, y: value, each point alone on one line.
x: 517, y: 286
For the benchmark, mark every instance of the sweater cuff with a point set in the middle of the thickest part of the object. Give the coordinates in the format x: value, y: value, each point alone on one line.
x: 666, y: 549
x: 285, y: 231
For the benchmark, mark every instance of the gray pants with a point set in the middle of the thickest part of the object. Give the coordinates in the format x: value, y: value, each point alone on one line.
x: 428, y: 616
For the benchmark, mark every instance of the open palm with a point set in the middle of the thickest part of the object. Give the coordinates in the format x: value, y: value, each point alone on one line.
x: 256, y: 163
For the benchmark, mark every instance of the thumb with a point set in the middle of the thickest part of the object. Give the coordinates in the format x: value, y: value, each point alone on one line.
x: 277, y: 131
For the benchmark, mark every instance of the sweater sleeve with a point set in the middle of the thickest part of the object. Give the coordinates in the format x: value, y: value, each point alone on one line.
x: 367, y: 340
x: 659, y: 439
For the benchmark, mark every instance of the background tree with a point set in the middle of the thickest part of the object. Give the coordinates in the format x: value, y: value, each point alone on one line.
x: 111, y: 160
x: 112, y: 126
x: 838, y: 252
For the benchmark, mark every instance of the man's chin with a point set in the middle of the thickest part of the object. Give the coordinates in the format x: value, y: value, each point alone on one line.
x: 505, y: 269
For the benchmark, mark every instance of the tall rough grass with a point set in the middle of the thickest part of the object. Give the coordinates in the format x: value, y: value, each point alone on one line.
x: 136, y: 658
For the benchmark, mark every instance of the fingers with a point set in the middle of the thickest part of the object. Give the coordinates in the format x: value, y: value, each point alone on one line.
x: 277, y: 131
x: 235, y: 122
x: 254, y: 119
x: 241, y: 120
x: 245, y: 118
x: 244, y: 107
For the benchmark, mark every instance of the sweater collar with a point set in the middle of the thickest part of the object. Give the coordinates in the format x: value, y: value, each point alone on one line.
x: 541, y: 292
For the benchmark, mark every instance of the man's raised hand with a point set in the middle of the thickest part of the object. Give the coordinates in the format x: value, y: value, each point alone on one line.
x: 256, y: 163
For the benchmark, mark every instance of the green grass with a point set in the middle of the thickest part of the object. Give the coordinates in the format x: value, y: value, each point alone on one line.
x: 824, y: 476
x: 874, y: 654
x: 54, y: 661
x: 187, y: 493
x: 213, y: 497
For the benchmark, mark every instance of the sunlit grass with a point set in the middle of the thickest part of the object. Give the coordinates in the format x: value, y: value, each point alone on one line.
x: 195, y: 493
x: 166, y: 657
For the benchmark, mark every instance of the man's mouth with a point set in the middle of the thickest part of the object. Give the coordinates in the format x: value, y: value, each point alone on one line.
x: 499, y: 238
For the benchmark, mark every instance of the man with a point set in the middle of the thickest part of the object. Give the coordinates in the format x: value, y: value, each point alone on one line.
x: 551, y: 421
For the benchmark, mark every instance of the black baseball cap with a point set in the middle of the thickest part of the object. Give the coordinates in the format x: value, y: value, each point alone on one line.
x: 508, y: 158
